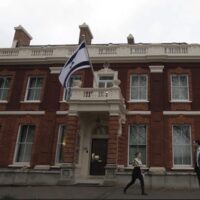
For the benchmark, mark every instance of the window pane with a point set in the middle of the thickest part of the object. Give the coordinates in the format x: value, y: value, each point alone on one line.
x: 4, y: 87
x: 31, y: 94
x: 137, y: 142
x: 143, y: 81
x: 20, y: 153
x: 101, y: 85
x: 182, y: 145
x: 183, y: 81
x: 24, y: 144
x: 135, y: 81
x: 27, y: 153
x: 175, y: 81
x: 32, y: 83
x: 183, y: 91
x: 175, y: 93
x: 143, y: 93
x: 135, y: 93
x: 34, y: 88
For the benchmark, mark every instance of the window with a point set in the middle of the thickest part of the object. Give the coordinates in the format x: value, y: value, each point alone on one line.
x: 137, y: 142
x: 60, y: 144
x: 179, y: 91
x: 67, y: 92
x: 34, y: 88
x: 24, y: 143
x: 139, y: 87
x: 105, y: 81
x: 4, y: 87
x: 182, y: 149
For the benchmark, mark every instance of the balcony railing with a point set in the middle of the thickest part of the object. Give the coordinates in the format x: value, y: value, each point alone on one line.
x: 99, y: 52
x: 96, y: 94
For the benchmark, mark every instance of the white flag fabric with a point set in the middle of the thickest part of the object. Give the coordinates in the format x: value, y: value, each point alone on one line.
x: 78, y: 60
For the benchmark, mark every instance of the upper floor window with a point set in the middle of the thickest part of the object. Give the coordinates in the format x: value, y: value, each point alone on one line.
x: 4, y: 87
x: 180, y: 89
x: 182, y: 145
x: 105, y: 81
x: 139, y: 85
x: 67, y: 92
x: 60, y: 144
x: 34, y: 88
x: 137, y: 142
x: 24, y: 143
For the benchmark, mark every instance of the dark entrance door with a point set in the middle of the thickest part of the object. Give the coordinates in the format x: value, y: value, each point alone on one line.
x: 98, y: 157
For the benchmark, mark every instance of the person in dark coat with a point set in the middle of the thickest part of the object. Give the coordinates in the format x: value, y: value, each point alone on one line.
x: 136, y: 173
x: 197, y: 160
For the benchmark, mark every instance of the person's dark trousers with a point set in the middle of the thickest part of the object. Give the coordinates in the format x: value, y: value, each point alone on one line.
x: 136, y: 175
x: 197, y: 169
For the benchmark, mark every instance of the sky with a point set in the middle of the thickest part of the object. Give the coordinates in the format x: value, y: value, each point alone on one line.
x: 52, y: 22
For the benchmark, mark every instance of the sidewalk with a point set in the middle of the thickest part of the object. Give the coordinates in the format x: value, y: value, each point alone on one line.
x: 91, y: 192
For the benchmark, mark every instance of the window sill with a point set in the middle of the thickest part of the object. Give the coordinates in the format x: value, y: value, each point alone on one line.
x: 30, y: 102
x: 62, y: 101
x: 182, y: 168
x: 144, y: 167
x: 135, y: 101
x: 174, y: 101
x: 4, y: 102
x: 21, y: 165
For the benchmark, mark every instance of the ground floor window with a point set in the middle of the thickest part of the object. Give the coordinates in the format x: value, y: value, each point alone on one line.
x: 137, y: 142
x: 24, y: 143
x: 182, y: 145
x: 60, y: 144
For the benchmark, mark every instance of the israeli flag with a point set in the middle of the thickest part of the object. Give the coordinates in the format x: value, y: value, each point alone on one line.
x: 78, y: 60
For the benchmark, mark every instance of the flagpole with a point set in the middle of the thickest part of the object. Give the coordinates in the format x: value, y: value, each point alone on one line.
x: 92, y: 68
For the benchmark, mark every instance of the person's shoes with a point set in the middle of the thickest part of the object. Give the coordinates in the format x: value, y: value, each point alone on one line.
x: 124, y: 191
x: 143, y: 193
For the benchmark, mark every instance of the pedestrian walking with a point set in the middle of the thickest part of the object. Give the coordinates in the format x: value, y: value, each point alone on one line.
x: 197, y: 159
x: 136, y: 173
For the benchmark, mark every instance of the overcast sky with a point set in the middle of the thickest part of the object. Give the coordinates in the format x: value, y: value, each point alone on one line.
x: 111, y: 21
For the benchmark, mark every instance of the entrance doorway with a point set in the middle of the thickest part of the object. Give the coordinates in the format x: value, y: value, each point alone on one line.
x: 98, y: 157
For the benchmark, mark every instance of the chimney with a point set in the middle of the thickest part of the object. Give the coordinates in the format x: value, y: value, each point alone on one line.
x: 21, y: 37
x: 130, y: 39
x: 85, y: 34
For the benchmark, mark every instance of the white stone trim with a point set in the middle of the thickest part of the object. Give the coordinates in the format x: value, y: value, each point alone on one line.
x: 55, y: 70
x: 182, y: 168
x: 3, y: 101
x: 181, y: 112
x: 60, y: 112
x: 22, y: 112
x: 42, y: 167
x: 156, y: 68
x: 139, y: 112
x: 22, y: 165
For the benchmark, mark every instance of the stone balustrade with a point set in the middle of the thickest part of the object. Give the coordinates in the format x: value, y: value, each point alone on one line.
x: 107, y: 52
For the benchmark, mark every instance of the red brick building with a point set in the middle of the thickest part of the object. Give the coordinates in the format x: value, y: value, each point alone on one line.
x: 143, y: 97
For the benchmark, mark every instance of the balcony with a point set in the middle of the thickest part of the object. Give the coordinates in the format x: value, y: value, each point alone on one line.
x: 97, y: 100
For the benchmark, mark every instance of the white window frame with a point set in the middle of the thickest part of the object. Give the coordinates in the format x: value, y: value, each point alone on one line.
x: 27, y: 90
x: 182, y: 166
x: 188, y: 95
x: 105, y: 81
x: 64, y: 91
x: 129, y: 131
x: 138, y: 100
x: 59, y: 143
x: 6, y: 100
x: 17, y: 147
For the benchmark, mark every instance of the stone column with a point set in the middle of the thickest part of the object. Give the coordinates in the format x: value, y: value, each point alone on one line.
x: 112, y: 154
x: 68, y: 168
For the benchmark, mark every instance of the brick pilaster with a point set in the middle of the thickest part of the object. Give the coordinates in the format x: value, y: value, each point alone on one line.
x: 113, y: 140
x: 70, y: 139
